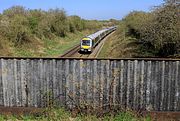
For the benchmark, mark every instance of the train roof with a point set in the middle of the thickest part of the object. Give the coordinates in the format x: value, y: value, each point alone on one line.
x: 93, y: 36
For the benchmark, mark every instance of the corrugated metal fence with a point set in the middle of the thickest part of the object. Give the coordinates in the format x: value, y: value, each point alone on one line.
x: 132, y: 83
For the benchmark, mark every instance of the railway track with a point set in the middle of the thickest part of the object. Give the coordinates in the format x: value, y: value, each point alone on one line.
x: 74, y: 51
x: 71, y: 51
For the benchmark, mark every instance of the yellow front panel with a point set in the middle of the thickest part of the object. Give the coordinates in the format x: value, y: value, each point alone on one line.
x: 86, y: 39
x: 85, y: 47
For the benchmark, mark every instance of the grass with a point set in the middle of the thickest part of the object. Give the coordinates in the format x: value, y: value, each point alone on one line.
x: 117, y: 46
x: 61, y: 45
x: 49, y: 47
x: 106, y: 48
x: 63, y: 115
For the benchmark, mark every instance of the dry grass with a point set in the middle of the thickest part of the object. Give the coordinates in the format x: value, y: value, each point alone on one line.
x: 119, y: 47
x: 5, y: 49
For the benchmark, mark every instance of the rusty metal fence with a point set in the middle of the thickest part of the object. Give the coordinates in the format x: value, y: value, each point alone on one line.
x: 148, y: 84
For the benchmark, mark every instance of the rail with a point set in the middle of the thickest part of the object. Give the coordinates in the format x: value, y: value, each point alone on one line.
x: 71, y: 51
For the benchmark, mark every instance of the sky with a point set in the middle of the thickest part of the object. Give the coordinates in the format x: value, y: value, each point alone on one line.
x: 87, y: 9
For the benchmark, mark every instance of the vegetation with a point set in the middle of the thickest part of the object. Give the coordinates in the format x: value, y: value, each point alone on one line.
x: 27, y: 32
x: 153, y: 34
x: 119, y: 44
x: 62, y: 115
x: 162, y: 33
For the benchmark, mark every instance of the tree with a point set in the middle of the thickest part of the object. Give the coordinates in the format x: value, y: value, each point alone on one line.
x: 135, y: 22
x: 163, y: 32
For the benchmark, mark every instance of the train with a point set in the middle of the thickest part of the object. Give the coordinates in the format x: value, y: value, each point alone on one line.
x: 88, y: 43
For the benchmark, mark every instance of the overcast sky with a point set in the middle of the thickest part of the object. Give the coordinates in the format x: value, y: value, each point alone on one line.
x: 87, y: 9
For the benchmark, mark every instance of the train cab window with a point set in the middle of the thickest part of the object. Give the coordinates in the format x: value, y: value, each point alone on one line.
x: 86, y: 42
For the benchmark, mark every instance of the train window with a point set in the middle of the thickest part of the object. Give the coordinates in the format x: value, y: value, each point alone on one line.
x: 86, y: 42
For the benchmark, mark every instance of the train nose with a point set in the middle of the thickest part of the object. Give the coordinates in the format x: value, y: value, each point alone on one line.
x: 85, y: 47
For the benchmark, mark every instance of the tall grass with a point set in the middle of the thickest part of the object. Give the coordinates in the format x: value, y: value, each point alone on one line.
x: 60, y: 114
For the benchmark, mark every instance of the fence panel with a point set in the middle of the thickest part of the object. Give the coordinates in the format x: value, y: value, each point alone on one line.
x: 130, y: 83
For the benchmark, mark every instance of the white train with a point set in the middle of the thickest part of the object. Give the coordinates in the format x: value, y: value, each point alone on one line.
x: 88, y: 43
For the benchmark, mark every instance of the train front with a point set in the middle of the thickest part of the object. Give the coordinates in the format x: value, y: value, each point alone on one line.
x: 86, y: 44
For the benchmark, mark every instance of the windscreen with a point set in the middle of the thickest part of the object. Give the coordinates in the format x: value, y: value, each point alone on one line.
x: 86, y: 42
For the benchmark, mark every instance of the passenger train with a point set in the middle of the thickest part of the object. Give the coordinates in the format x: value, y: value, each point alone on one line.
x: 88, y: 43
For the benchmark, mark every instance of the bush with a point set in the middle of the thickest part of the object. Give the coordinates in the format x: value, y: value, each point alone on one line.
x: 157, y: 33
x: 59, y: 23
x: 164, y: 32
x: 76, y: 23
x: 40, y: 23
x: 14, y: 25
x: 92, y: 24
x: 19, y: 30
x: 135, y: 22
x: 15, y: 10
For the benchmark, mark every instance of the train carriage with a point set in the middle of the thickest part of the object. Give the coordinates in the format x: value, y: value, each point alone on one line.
x: 88, y: 43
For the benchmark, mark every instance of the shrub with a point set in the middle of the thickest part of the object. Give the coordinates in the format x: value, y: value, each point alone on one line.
x: 19, y: 31
x: 76, y: 23
x: 163, y: 31
x: 59, y: 23
x: 157, y: 33
x: 15, y: 10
